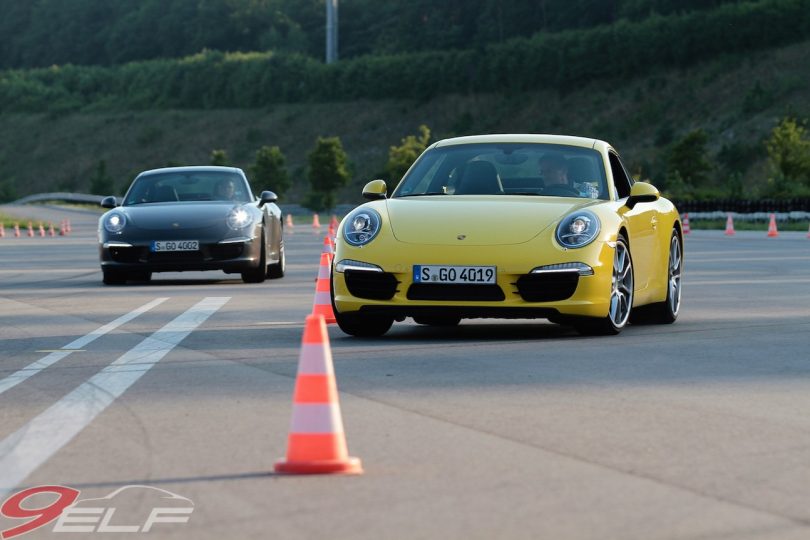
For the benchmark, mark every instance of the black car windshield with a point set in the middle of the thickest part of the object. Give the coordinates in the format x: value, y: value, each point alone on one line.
x: 507, y: 169
x: 182, y: 186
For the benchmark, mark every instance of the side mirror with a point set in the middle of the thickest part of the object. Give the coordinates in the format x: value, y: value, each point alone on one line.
x: 374, y: 190
x: 109, y: 202
x: 267, y: 197
x: 642, y: 192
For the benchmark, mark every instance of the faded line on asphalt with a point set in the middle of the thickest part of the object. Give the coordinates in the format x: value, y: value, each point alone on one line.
x: 76, y: 345
x: 22, y: 452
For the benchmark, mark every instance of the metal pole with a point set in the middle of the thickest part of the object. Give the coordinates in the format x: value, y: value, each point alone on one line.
x: 331, y: 31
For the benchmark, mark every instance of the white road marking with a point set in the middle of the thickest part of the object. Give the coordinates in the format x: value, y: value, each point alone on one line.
x: 22, y: 452
x: 35, y: 367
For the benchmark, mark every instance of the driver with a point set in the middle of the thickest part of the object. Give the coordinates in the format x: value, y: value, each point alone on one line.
x: 225, y: 189
x: 554, y: 170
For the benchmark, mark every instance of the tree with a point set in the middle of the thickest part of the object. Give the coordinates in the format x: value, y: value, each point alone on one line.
x: 789, y: 159
x: 101, y: 183
x: 270, y: 169
x: 689, y: 158
x: 328, y: 172
x: 219, y: 157
x: 401, y: 157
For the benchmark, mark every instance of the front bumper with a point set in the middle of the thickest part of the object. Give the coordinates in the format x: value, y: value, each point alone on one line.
x: 229, y: 255
x: 518, y: 293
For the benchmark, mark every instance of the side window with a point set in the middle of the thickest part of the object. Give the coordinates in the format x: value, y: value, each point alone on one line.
x: 620, y: 178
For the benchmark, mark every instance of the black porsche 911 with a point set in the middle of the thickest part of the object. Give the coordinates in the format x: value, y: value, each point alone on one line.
x: 191, y: 218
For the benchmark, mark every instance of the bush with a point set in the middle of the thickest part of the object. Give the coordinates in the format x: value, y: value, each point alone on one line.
x: 547, y: 60
x: 328, y: 172
x: 270, y: 170
x: 400, y: 158
x: 789, y: 159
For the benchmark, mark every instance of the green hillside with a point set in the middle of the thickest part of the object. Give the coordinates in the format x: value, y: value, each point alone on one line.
x: 649, y: 83
x: 736, y: 101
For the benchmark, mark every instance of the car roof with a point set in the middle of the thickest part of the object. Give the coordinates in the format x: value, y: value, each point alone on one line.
x: 194, y: 168
x: 568, y: 140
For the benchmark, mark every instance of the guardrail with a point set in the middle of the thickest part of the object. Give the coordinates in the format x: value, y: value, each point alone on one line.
x: 781, y: 217
x: 78, y: 198
x: 745, y: 206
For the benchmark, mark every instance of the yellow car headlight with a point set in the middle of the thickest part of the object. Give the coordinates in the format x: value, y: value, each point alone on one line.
x: 578, y: 229
x: 361, y: 227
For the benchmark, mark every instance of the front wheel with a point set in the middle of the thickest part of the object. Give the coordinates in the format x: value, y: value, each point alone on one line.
x: 113, y: 277
x: 277, y: 270
x: 621, y: 296
x: 258, y: 274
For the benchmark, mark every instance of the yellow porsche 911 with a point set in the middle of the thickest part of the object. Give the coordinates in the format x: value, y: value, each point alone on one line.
x: 510, y: 226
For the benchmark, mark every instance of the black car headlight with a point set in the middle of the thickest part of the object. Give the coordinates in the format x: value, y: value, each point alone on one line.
x: 361, y: 227
x: 239, y: 218
x: 115, y: 222
x: 578, y: 229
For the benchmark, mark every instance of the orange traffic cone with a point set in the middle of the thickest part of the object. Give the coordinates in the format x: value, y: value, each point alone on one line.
x: 316, y: 222
x: 2, y: 231
x: 808, y: 232
x: 289, y: 224
x: 67, y: 227
x: 51, y: 232
x: 62, y: 228
x: 41, y: 229
x: 30, y: 229
x: 316, y: 443
x: 729, y: 225
x: 333, y: 222
x: 772, y: 232
x: 323, y: 298
x: 327, y: 246
x: 686, y: 229
x: 16, y: 230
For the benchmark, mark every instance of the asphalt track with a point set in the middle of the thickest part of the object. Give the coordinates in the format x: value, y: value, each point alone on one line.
x: 493, y: 429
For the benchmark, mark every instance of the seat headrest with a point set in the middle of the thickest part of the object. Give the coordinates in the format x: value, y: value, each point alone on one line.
x: 480, y: 178
x: 165, y: 193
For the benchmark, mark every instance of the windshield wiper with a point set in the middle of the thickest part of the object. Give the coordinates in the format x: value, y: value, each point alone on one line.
x: 422, y: 194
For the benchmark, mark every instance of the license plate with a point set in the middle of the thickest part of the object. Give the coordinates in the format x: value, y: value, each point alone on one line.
x: 174, y: 245
x: 469, y: 275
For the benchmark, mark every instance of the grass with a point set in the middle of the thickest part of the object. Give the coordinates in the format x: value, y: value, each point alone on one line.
x: 9, y: 221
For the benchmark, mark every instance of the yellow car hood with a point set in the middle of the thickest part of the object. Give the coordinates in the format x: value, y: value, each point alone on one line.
x: 499, y: 220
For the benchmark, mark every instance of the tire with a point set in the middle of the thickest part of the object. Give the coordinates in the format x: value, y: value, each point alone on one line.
x: 360, y: 325
x: 258, y: 274
x: 437, y: 320
x: 277, y: 270
x: 621, y: 297
x: 113, y: 277
x: 666, y: 312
